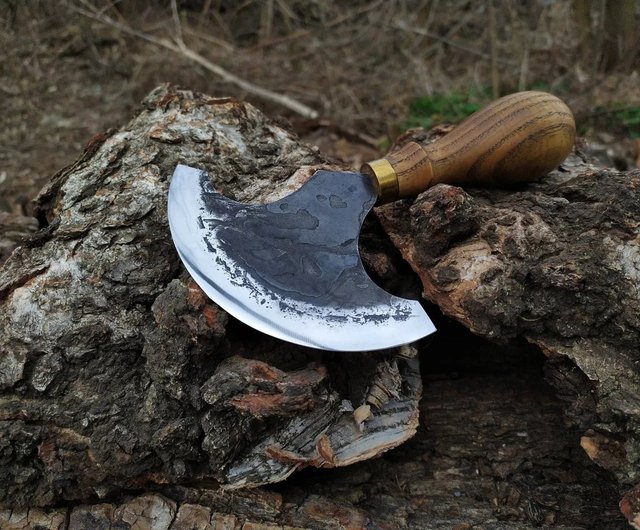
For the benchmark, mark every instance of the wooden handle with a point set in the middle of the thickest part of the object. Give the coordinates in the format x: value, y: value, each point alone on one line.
x: 516, y: 138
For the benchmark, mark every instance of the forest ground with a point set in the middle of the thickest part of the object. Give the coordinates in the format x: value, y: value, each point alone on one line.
x: 370, y: 70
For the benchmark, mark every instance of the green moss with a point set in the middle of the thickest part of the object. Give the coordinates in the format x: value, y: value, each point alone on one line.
x: 428, y: 111
x: 629, y: 118
x: 618, y: 119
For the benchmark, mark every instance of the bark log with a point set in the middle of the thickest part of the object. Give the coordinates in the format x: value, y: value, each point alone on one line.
x: 117, y: 375
x: 556, y: 263
x: 118, y: 372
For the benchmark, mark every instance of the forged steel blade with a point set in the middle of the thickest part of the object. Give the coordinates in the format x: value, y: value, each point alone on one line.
x: 291, y: 268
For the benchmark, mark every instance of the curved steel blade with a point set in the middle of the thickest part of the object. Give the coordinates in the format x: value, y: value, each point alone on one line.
x: 291, y: 268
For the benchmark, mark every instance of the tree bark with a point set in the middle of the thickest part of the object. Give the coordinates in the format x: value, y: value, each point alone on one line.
x: 118, y: 376
x: 620, y: 38
x: 556, y: 263
x: 13, y: 229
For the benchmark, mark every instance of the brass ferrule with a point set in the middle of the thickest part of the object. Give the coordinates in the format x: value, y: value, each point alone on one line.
x: 384, y: 178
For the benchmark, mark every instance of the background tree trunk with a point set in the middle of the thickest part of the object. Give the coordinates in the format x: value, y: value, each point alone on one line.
x: 606, y: 32
x: 620, y: 39
x: 119, y: 376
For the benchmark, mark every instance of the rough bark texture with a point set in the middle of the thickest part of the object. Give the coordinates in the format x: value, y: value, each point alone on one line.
x: 118, y: 372
x: 117, y: 375
x: 556, y: 263
x: 13, y: 229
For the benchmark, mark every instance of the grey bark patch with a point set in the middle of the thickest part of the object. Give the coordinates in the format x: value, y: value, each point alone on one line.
x: 11, y: 365
x: 45, y: 370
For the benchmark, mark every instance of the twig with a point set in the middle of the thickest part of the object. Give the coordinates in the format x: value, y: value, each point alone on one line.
x: 287, y: 12
x: 279, y: 40
x: 266, y: 20
x: 182, y: 49
x: 608, y: 110
x: 223, y: 27
x: 420, y: 31
x: 524, y: 70
x: 230, y: 48
x: 205, y: 10
x: 493, y: 45
x: 176, y: 21
x: 350, y: 134
x: 306, y: 32
x: 111, y: 6
x: 9, y: 90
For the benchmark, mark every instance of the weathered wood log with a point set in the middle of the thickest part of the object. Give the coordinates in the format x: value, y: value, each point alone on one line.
x: 495, y: 454
x: 118, y: 375
x: 119, y: 371
x: 556, y: 263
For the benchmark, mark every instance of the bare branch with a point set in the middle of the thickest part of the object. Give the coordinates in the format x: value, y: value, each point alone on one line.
x: 181, y: 48
x: 176, y: 21
x: 493, y: 46
x: 419, y: 31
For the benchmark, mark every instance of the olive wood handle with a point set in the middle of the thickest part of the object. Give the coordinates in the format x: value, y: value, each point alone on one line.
x: 516, y: 138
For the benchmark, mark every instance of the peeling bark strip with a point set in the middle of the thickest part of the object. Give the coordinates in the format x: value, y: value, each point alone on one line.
x: 116, y: 371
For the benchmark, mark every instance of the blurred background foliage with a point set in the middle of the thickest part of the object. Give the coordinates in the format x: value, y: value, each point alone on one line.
x: 370, y: 69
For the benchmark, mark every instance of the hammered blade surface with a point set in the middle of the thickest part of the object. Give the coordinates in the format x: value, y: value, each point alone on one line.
x: 291, y: 268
